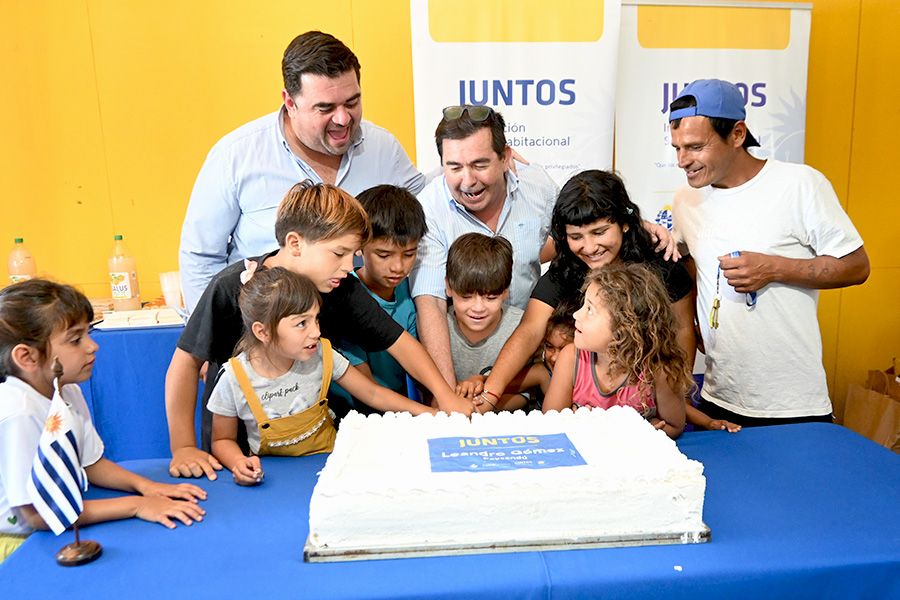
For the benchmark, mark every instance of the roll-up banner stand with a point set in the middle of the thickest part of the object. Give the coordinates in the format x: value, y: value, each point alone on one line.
x: 548, y: 67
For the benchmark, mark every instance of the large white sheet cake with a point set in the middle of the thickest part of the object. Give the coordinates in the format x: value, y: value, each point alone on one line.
x: 399, y: 485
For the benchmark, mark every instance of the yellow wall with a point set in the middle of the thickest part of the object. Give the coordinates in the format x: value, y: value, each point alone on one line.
x: 852, y: 108
x: 109, y: 108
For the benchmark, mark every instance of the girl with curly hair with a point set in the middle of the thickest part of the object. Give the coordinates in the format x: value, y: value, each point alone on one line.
x: 625, y: 351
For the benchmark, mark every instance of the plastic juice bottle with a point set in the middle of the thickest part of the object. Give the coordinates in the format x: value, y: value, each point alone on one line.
x: 123, y: 277
x: 21, y: 265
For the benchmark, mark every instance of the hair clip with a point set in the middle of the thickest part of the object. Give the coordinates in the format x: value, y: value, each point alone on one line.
x: 629, y: 210
x: 249, y: 269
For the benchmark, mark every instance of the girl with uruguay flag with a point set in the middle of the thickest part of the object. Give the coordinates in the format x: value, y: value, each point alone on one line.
x: 41, y: 321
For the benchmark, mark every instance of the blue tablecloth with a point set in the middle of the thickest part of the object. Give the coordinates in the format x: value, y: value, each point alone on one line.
x: 796, y: 511
x: 126, y: 391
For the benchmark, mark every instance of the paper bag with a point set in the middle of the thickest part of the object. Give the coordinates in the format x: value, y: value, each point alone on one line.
x: 885, y: 382
x: 874, y: 410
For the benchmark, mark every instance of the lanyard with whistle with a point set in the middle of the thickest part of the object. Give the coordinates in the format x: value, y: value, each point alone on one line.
x: 749, y: 299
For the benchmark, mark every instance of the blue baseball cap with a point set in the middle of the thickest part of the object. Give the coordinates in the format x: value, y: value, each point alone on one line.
x: 715, y: 98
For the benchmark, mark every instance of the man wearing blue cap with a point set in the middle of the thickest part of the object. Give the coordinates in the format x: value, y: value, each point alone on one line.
x: 765, y: 236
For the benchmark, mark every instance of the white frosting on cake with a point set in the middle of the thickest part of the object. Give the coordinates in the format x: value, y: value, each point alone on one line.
x: 377, y: 488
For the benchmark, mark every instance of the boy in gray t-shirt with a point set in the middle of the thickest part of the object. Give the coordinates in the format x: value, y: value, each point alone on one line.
x: 479, y: 271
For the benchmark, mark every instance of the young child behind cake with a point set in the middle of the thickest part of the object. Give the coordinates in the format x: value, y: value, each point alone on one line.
x: 479, y: 271
x: 277, y: 383
x: 398, y: 223
x: 625, y: 350
x: 41, y: 320
x: 560, y: 333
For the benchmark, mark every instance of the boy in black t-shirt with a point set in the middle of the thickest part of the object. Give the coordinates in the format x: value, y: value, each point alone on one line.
x: 318, y: 228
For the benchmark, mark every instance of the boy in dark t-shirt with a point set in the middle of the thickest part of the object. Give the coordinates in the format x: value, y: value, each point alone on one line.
x: 318, y: 228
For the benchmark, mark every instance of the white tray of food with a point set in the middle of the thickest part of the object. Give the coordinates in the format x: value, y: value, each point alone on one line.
x: 140, y: 319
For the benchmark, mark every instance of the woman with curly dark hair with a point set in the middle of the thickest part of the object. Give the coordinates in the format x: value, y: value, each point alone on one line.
x: 595, y: 224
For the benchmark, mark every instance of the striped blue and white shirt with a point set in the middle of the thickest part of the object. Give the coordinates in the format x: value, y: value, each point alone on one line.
x: 524, y: 221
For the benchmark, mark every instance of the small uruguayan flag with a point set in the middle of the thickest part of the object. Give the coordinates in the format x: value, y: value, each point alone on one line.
x: 57, y: 479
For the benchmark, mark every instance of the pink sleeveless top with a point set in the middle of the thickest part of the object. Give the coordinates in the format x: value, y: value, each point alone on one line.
x: 587, y: 390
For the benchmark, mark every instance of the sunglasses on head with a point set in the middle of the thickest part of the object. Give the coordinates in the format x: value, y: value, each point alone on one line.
x: 476, y: 113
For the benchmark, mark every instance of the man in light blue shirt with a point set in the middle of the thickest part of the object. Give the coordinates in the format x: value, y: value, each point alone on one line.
x: 317, y: 134
x: 479, y: 194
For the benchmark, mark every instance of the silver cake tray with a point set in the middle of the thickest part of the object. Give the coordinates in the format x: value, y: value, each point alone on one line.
x: 314, y: 554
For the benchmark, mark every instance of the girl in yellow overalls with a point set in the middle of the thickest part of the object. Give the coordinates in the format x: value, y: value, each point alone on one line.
x: 278, y: 381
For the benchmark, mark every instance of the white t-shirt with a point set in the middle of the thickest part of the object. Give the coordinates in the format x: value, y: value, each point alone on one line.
x: 293, y: 392
x: 764, y: 361
x: 23, y: 412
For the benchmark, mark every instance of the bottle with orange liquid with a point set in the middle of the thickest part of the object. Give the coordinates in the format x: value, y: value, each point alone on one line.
x: 21, y: 265
x: 123, y: 278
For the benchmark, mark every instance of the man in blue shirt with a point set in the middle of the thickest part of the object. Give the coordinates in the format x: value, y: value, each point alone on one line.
x: 477, y: 193
x: 317, y: 134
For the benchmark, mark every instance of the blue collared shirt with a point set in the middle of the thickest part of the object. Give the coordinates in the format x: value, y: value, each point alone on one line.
x: 524, y: 221
x: 231, y: 214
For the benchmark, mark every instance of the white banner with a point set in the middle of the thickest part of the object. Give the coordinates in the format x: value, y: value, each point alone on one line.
x: 548, y: 68
x: 763, y: 48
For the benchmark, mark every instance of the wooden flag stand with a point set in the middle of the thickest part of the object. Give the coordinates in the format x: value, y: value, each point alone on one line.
x: 77, y: 553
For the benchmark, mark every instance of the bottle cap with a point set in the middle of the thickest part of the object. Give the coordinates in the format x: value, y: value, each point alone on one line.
x: 118, y: 237
x: 19, y: 240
